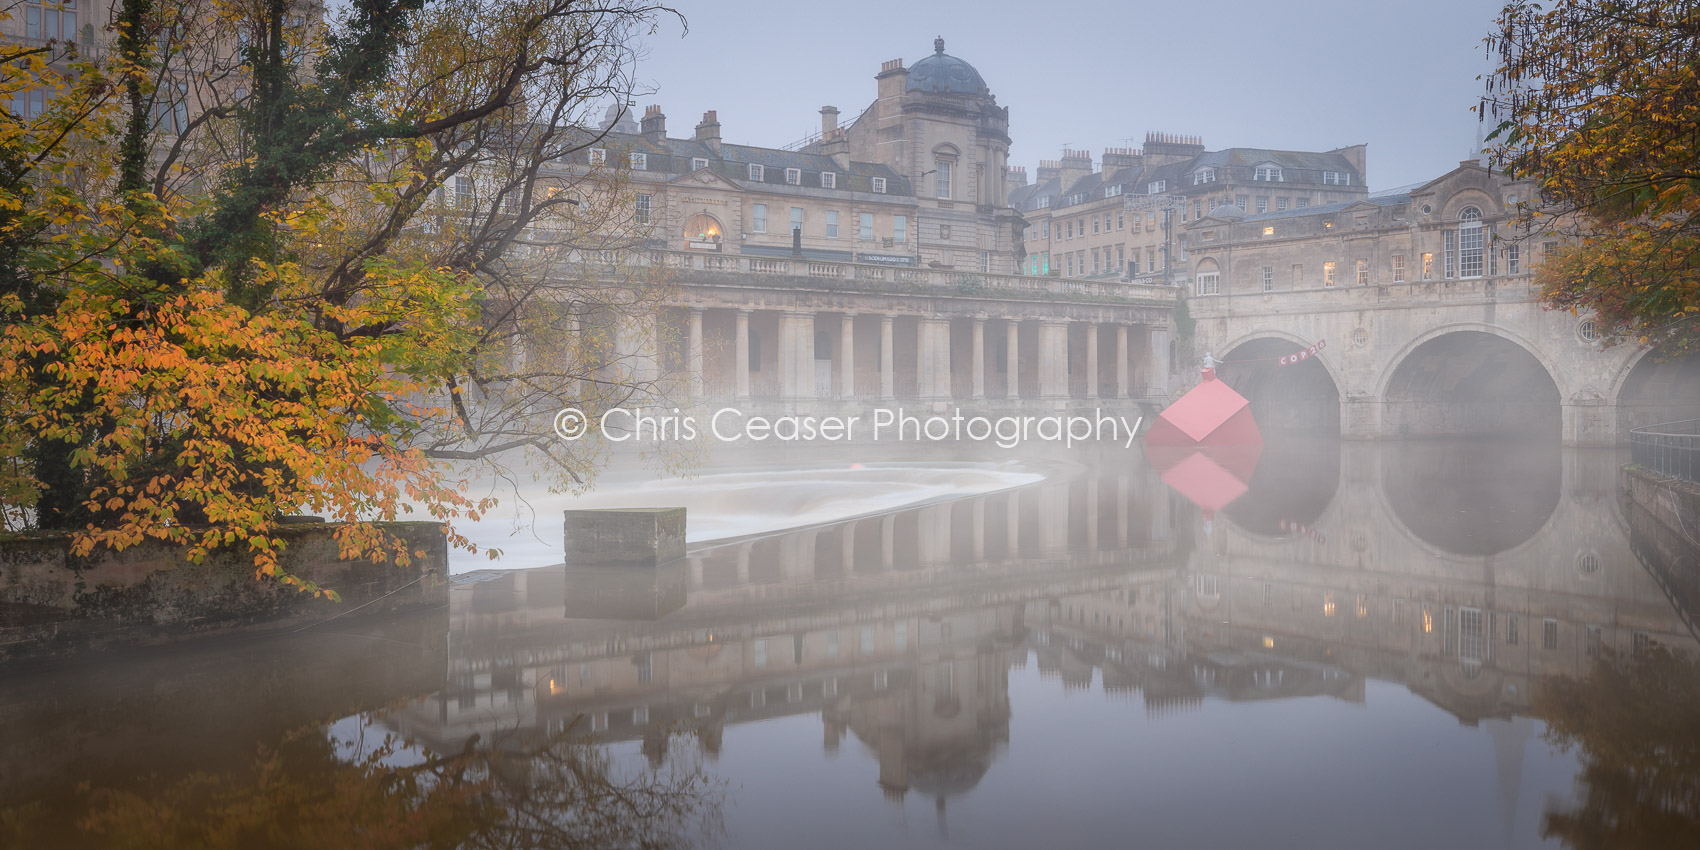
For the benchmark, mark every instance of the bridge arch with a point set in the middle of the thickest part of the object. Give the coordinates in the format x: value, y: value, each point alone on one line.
x: 1647, y: 390
x: 1470, y: 378
x: 1301, y: 397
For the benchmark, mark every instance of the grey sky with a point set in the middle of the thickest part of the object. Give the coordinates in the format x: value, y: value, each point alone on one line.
x: 1299, y: 74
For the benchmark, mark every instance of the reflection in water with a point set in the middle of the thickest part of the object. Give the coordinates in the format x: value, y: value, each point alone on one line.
x: 1634, y: 721
x: 1088, y: 639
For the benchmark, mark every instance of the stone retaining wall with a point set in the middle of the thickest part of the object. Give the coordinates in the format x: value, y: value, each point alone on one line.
x: 52, y: 601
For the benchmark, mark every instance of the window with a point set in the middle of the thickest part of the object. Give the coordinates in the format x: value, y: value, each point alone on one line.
x: 1157, y: 187
x: 1262, y: 204
x: 1511, y: 629
x: 1548, y: 249
x: 828, y: 180
x: 1094, y: 260
x: 698, y: 163
x: 1209, y: 279
x: 1150, y: 260
x: 1269, y: 230
x: 757, y: 173
x: 1121, y: 258
x: 793, y: 176
x: 1203, y: 176
x: 879, y: 185
x: 1588, y: 331
x: 1336, y: 178
x: 1239, y: 201
x: 832, y: 224
x: 759, y: 651
x: 1470, y: 242
x: 51, y: 20
x: 1592, y: 644
x: 758, y: 218
x: 171, y: 114
x: 29, y: 103
x: 1071, y: 230
x: 1363, y: 272
x: 598, y: 156
x: 1094, y: 224
x: 643, y: 209
x: 1513, y: 259
x: 796, y: 218
x: 1045, y: 230
x: 1328, y: 273
x: 944, y: 179
x: 703, y: 228
x: 1280, y: 204
x: 865, y: 226
x: 1304, y: 202
x: 639, y: 161
x: 1268, y: 173
x: 1120, y: 221
x: 1398, y: 268
x: 463, y: 192
x: 900, y: 229
x: 1549, y: 634
x: 1268, y: 278
x: 1428, y: 266
x: 1071, y: 264
x: 1198, y: 209
x: 944, y: 233
x: 1449, y: 242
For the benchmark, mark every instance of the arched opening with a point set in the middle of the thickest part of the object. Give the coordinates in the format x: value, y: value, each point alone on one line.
x: 1473, y: 498
x: 1294, y: 397
x: 1296, y: 479
x: 1470, y: 383
x: 702, y: 227
x: 1659, y: 390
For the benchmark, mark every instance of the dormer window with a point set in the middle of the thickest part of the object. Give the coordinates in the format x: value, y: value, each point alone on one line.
x: 879, y: 185
x: 1203, y: 175
x: 1336, y: 178
x: 1267, y: 173
x: 828, y: 180
x: 598, y: 156
x: 793, y: 176
x: 698, y: 163
x: 639, y: 161
x: 1157, y: 187
x: 757, y: 173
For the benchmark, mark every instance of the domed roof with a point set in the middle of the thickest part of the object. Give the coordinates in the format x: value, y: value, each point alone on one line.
x: 1227, y: 211
x: 944, y: 73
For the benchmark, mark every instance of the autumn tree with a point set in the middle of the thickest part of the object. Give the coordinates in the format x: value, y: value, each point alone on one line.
x: 260, y: 264
x: 1598, y: 102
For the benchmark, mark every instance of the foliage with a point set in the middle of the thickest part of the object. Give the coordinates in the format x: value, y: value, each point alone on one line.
x: 1634, y: 722
x: 324, y: 330
x: 1599, y: 103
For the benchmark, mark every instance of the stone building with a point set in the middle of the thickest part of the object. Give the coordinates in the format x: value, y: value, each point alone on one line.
x: 1124, y: 220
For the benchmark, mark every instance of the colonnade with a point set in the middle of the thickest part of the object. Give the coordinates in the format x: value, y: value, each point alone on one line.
x: 794, y: 355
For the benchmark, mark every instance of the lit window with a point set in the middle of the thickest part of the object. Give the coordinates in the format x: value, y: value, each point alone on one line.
x: 828, y: 180
x: 793, y: 176
x: 1269, y: 230
x: 1428, y: 266
x: 1363, y: 272
x: 1328, y: 273
x: 757, y: 173
x: 879, y: 185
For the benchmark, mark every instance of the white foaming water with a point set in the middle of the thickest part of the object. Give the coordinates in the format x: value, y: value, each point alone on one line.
x: 733, y: 504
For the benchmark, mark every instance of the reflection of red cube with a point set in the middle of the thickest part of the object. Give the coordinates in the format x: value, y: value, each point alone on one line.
x: 1206, y: 444
x: 1208, y: 414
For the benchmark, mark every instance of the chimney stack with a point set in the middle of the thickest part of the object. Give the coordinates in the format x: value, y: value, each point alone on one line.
x: 1117, y: 158
x: 1014, y: 176
x: 1164, y: 148
x: 1075, y: 165
x: 828, y: 122
x: 654, y: 123
x: 708, y: 132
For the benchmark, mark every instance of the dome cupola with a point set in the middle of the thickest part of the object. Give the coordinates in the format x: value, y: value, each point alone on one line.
x: 944, y: 73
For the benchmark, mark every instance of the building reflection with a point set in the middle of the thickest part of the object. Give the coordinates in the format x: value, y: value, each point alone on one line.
x: 900, y: 631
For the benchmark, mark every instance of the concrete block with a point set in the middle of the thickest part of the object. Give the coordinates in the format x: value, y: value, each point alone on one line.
x: 643, y: 537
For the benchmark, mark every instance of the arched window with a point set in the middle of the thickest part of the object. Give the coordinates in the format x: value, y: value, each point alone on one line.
x: 703, y: 227
x: 1209, y: 278
x: 1470, y: 242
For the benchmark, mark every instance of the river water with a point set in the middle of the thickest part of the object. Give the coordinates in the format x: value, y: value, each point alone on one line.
x: 1457, y: 644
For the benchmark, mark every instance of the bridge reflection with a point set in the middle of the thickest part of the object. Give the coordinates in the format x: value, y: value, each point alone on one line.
x: 1343, y: 563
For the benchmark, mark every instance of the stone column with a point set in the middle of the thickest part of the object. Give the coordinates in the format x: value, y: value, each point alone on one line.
x: 1092, y: 360
x: 1158, y: 353
x: 979, y: 360
x: 693, y: 352
x: 1012, y: 359
x: 847, y: 357
x: 886, y: 360
x: 1053, y: 360
x: 796, y: 355
x: 741, y: 357
x: 1121, y: 361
